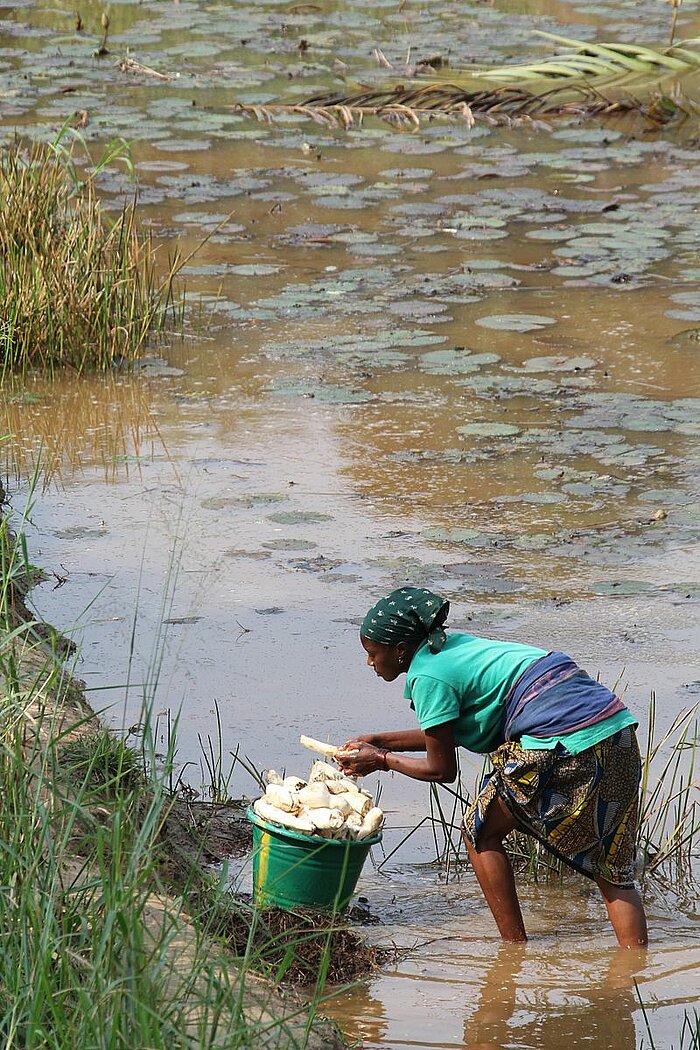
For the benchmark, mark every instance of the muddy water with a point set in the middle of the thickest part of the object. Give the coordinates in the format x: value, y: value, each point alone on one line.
x: 453, y: 357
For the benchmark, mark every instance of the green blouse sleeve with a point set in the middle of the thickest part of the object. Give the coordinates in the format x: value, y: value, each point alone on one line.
x: 434, y: 702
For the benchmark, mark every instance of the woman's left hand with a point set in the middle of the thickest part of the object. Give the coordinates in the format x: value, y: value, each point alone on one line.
x: 356, y: 758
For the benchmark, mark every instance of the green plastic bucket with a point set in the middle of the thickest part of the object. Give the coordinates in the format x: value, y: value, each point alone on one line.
x: 291, y: 870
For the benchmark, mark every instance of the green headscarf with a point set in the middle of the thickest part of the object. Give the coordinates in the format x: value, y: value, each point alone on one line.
x: 410, y: 614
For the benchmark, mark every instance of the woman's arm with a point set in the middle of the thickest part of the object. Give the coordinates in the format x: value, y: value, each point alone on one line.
x: 438, y: 766
x: 393, y: 740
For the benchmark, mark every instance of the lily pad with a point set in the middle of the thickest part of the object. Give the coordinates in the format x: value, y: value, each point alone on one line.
x: 290, y: 544
x: 515, y: 322
x: 670, y: 496
x: 622, y: 588
x: 689, y: 515
x: 556, y: 363
x: 254, y: 270
x: 298, y: 517
x: 488, y: 430
x: 460, y: 534
x: 456, y: 361
x: 253, y: 499
x: 327, y: 393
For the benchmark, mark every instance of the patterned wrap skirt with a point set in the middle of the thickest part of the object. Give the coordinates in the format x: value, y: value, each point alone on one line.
x: 583, y: 808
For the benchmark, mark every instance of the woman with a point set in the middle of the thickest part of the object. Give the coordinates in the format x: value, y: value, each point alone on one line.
x: 566, y: 765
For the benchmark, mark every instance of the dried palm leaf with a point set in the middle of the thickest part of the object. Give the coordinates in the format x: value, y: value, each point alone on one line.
x: 412, y: 107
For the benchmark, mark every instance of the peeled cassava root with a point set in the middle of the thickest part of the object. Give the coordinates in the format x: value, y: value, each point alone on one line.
x: 329, y: 804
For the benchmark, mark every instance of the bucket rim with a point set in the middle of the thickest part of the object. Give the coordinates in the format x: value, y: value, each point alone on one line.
x: 278, y: 829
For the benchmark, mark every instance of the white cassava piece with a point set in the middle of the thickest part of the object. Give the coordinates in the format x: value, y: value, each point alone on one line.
x: 329, y: 750
x: 329, y: 804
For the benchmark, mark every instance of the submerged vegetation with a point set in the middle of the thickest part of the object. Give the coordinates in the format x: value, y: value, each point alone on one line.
x: 78, y: 288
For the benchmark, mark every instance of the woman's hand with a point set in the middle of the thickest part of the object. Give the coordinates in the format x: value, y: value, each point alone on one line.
x: 357, y: 757
x: 355, y: 741
x: 365, y: 754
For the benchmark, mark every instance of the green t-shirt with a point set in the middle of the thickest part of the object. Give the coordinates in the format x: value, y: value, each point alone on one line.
x: 581, y: 739
x: 466, y: 683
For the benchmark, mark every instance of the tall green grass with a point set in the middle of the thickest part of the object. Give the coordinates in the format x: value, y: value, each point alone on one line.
x: 78, y: 288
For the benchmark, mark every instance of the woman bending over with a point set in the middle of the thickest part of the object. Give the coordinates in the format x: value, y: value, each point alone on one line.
x: 566, y: 766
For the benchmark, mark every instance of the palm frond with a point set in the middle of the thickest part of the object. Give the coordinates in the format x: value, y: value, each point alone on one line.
x: 588, y: 59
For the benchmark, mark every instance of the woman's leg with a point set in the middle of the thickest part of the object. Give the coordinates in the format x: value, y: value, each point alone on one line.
x: 494, y: 871
x: 626, y: 913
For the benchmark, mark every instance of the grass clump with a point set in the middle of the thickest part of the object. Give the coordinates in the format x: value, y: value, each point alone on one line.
x: 100, y: 763
x: 304, y: 947
x: 78, y: 288
x: 98, y: 948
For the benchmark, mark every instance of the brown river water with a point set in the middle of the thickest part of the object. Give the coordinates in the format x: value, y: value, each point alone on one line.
x: 462, y: 358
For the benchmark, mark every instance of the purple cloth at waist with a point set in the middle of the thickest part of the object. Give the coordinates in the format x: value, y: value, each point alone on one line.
x: 554, y: 696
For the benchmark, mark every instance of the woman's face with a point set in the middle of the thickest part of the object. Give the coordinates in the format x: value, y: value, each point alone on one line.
x: 385, y: 659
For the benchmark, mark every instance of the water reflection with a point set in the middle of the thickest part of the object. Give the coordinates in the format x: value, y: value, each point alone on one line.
x: 69, y: 424
x: 523, y: 998
x: 601, y: 1010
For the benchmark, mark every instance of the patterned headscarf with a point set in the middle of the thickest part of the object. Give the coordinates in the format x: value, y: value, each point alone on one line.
x: 410, y: 614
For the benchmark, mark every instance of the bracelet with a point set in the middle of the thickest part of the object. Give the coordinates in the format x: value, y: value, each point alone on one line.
x: 382, y: 753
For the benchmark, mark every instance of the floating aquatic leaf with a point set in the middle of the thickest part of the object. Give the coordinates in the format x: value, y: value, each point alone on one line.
x: 534, y: 497
x: 253, y: 499
x: 188, y: 145
x: 556, y: 363
x: 459, y: 534
x: 634, y: 412
x: 515, y: 322
x: 688, y: 337
x: 488, y: 430
x: 298, y: 517
x: 326, y: 393
x: 683, y: 315
x: 290, y: 544
x: 456, y: 361
x: 318, y: 564
x: 423, y: 311
x: 688, y: 515
x: 254, y: 270
x: 536, y: 541
x: 565, y: 233
x: 509, y: 385
x: 362, y: 342
x: 670, y: 496
x: 622, y: 588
